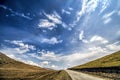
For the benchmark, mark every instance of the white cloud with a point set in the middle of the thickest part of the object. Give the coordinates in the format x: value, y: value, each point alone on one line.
x: 48, y: 55
x: 119, y: 13
x: 11, y: 56
x: 45, y: 62
x: 22, y: 47
x: 106, y: 21
x: 52, y: 60
x: 107, y: 17
x: 53, y: 40
x: 16, y: 13
x: 105, y: 4
x: 2, y: 6
x: 21, y: 50
x: 71, y: 9
x: 44, y: 23
x: 51, y: 22
x: 31, y: 63
x: 98, y: 39
x: 54, y: 67
x: 118, y: 33
x: 113, y: 47
x: 65, y: 11
x: 89, y: 6
x: 55, y: 17
x: 82, y: 37
x: 96, y: 50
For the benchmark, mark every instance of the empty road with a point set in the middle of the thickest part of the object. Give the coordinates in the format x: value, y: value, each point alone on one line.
x: 81, y: 76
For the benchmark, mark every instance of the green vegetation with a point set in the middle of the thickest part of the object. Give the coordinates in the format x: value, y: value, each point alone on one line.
x: 107, y: 61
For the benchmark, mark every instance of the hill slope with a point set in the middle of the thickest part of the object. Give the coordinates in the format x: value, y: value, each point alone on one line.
x: 11, y: 69
x: 112, y: 60
x: 107, y: 67
x: 6, y: 62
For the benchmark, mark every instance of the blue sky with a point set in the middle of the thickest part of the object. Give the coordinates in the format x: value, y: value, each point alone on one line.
x: 61, y: 33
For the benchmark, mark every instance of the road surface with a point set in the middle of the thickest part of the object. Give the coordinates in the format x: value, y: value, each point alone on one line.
x: 81, y: 76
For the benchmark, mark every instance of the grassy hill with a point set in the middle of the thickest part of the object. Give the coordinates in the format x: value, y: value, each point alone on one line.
x: 108, y: 66
x: 11, y: 69
x: 6, y: 62
x: 111, y: 60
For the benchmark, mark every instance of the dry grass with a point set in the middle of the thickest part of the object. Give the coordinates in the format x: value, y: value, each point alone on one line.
x: 14, y: 70
x: 107, y: 61
x: 107, y: 67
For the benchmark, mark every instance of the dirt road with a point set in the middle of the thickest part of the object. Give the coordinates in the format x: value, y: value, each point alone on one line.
x: 81, y: 76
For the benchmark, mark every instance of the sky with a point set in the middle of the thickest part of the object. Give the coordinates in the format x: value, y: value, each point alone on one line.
x: 59, y: 34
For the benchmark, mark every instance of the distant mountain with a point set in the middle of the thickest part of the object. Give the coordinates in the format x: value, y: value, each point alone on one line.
x: 11, y: 69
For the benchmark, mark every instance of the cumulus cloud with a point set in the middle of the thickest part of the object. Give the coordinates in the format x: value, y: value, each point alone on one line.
x: 50, y: 59
x: 52, y: 40
x: 44, y: 23
x: 48, y: 55
x: 45, y: 64
x: 93, y: 39
x: 52, y: 21
x: 22, y: 47
x: 31, y: 63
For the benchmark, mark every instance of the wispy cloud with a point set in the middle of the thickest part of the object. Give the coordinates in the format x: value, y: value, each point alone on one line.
x: 14, y: 13
x: 89, y: 6
x: 82, y: 37
x: 71, y: 9
x: 55, y: 17
x: 48, y: 55
x: 119, y: 13
x: 52, y: 40
x: 65, y: 11
x: 98, y: 39
x: 105, y: 4
x: 107, y: 17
